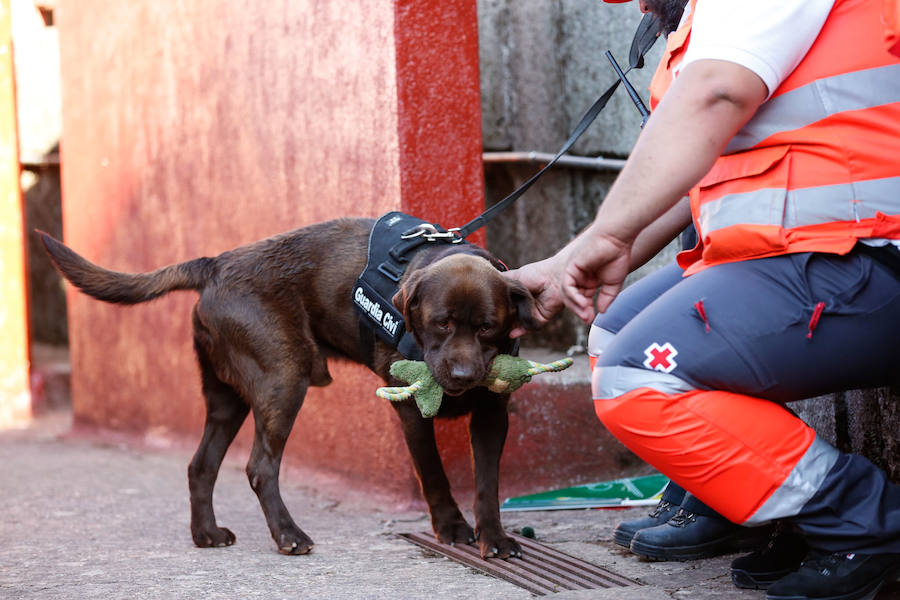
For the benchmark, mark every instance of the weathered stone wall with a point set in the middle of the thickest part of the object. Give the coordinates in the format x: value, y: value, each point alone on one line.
x: 542, y: 66
x: 865, y: 422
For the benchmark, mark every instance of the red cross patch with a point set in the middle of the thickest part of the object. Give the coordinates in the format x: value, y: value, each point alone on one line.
x: 661, y: 358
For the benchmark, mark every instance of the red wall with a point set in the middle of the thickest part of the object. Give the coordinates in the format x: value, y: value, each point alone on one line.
x: 193, y: 127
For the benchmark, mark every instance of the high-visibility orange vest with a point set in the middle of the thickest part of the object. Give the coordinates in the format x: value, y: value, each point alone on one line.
x: 818, y: 166
x: 891, y: 14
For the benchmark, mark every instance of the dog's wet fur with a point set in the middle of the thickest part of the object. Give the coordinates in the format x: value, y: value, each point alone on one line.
x: 270, y: 313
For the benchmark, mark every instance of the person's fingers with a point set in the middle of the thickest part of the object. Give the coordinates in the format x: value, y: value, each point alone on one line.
x: 517, y: 332
x: 584, y: 310
x: 578, y: 297
x: 605, y: 296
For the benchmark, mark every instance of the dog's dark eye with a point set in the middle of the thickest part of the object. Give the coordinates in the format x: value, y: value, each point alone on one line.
x: 486, y: 328
x: 443, y: 324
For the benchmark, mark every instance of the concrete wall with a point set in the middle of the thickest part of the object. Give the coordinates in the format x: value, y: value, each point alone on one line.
x: 864, y: 422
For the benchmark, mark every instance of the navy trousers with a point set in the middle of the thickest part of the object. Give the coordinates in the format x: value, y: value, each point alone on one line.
x: 783, y: 329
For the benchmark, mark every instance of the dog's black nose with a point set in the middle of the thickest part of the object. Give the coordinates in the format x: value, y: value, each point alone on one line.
x: 464, y: 376
x: 462, y: 372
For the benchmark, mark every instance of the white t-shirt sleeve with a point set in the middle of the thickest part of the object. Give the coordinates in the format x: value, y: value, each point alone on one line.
x: 769, y: 37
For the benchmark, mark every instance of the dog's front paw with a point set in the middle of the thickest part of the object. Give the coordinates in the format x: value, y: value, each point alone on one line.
x: 499, y: 546
x: 456, y: 532
x: 294, y: 542
x: 213, y: 538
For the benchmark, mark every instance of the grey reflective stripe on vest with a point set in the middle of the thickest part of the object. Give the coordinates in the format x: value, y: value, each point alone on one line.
x: 806, y: 206
x: 804, y: 480
x: 612, y: 382
x: 817, y: 100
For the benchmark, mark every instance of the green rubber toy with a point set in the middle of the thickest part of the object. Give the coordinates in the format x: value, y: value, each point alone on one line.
x: 507, y: 374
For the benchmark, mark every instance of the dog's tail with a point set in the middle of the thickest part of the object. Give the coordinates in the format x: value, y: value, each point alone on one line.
x: 125, y: 288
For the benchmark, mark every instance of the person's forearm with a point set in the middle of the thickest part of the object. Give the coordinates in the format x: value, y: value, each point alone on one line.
x: 657, y: 235
x: 705, y: 106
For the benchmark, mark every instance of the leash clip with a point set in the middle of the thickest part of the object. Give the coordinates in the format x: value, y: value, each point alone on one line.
x: 431, y: 233
x: 451, y: 234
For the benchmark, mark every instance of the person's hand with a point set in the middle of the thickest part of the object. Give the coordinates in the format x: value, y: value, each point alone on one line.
x: 542, y: 279
x: 596, y: 264
x: 592, y: 263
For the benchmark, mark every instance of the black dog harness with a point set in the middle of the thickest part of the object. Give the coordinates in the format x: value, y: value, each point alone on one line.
x: 393, y: 241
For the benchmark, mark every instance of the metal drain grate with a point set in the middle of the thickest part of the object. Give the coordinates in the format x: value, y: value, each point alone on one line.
x: 541, y: 570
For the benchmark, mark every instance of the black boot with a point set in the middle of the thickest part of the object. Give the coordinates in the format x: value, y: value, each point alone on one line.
x: 780, y: 557
x: 696, y: 531
x: 665, y: 510
x: 843, y: 576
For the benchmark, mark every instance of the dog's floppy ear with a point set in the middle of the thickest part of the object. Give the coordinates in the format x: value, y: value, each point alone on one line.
x: 407, y: 297
x: 522, y: 303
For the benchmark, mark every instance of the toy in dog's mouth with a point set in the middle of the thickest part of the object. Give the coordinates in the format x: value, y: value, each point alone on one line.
x: 507, y: 374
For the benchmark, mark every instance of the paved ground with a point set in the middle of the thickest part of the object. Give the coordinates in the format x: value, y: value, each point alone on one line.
x: 84, y: 519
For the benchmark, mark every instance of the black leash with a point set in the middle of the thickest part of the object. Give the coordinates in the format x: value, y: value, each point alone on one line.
x: 644, y: 37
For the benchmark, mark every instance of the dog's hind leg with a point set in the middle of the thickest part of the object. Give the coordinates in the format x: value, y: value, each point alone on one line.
x: 446, y: 519
x: 225, y: 412
x: 269, y: 359
x: 274, y: 419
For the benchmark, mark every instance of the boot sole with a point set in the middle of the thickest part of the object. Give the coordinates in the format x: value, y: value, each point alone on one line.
x: 748, y: 580
x: 718, y: 547
x: 623, y: 538
x: 867, y: 592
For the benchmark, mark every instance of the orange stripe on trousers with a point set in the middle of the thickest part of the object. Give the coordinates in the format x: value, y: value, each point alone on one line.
x: 729, y: 450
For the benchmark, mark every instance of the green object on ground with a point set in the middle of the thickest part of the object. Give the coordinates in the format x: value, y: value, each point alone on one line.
x: 528, y: 532
x: 630, y: 491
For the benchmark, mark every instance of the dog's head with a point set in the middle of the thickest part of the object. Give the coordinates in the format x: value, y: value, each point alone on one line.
x: 461, y: 311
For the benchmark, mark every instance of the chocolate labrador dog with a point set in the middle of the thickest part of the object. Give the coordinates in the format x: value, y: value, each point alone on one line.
x: 270, y: 313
